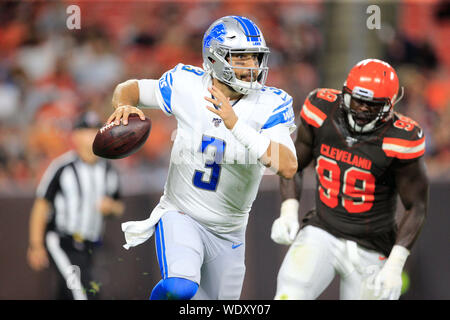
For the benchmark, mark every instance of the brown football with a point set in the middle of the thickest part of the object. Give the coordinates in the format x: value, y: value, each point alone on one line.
x: 119, y: 141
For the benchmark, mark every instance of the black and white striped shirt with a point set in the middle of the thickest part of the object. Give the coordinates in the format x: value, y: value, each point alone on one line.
x: 75, y: 190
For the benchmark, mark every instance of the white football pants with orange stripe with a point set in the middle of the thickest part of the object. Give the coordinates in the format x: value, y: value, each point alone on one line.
x: 314, y: 259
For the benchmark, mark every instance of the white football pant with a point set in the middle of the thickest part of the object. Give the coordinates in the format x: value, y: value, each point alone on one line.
x: 314, y: 259
x: 188, y: 250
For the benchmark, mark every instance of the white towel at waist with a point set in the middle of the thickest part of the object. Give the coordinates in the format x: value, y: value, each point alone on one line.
x: 137, y: 232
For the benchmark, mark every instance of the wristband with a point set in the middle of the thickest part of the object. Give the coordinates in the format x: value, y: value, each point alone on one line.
x: 288, y: 207
x: 397, y: 257
x: 255, y: 142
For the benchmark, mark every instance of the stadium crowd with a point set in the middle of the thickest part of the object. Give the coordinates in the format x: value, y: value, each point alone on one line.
x: 49, y: 74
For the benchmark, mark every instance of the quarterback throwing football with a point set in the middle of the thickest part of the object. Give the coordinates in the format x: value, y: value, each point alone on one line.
x: 365, y: 155
x: 230, y: 128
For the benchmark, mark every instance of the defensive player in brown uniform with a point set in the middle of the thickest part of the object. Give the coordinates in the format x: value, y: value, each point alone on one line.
x: 365, y: 155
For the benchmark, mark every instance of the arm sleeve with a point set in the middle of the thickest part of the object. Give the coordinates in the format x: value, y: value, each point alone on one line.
x: 49, y: 184
x: 280, y: 124
x: 283, y: 115
x: 159, y: 93
x: 405, y: 146
x: 171, y: 88
x: 165, y: 90
x: 281, y: 135
x: 147, y: 93
x: 314, y: 111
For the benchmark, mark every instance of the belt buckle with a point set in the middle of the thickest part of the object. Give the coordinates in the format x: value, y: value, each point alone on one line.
x: 78, y: 241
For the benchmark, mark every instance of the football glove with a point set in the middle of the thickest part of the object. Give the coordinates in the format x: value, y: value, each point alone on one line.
x: 387, y: 283
x: 285, y: 228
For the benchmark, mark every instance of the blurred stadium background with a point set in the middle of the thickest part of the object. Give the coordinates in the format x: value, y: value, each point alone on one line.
x: 49, y: 74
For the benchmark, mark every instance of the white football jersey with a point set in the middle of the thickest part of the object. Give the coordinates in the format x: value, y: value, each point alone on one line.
x: 212, y: 177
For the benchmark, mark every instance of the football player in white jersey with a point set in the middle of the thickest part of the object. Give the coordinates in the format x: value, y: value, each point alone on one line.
x: 230, y: 128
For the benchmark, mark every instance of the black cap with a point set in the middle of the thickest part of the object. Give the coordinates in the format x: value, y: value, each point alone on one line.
x: 87, y: 120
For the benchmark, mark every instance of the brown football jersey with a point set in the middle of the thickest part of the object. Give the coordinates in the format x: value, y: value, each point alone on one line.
x: 356, y: 195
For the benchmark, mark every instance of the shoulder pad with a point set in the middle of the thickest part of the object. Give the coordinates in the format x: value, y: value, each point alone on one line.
x: 181, y: 73
x: 276, y: 96
x: 405, y: 139
x: 317, y: 105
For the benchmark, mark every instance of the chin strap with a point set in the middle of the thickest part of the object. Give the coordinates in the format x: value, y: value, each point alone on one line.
x: 370, y: 126
x: 366, y: 128
x: 402, y: 93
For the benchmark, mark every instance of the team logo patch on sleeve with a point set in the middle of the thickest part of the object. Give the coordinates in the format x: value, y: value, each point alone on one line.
x: 165, y: 89
x: 403, y: 149
x: 312, y: 115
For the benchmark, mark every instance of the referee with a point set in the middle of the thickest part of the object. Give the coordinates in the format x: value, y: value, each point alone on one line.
x: 66, y: 224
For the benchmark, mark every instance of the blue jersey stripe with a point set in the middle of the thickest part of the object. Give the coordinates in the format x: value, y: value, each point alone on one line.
x: 280, y: 117
x: 283, y: 105
x: 165, y: 88
x: 164, y: 248
x: 161, y: 249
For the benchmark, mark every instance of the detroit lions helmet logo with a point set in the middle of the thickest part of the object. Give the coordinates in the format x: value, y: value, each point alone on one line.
x: 216, y: 33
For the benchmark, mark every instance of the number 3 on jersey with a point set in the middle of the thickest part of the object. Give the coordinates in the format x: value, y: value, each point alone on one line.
x: 219, y: 145
x: 357, y: 184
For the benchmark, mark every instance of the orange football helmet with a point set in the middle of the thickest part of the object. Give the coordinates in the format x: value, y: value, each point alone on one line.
x: 374, y: 84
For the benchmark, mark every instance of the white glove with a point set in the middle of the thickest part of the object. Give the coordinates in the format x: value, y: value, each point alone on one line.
x: 387, y: 283
x: 285, y: 228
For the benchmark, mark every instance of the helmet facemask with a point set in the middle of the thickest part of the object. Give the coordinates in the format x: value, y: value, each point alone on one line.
x: 379, y: 110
